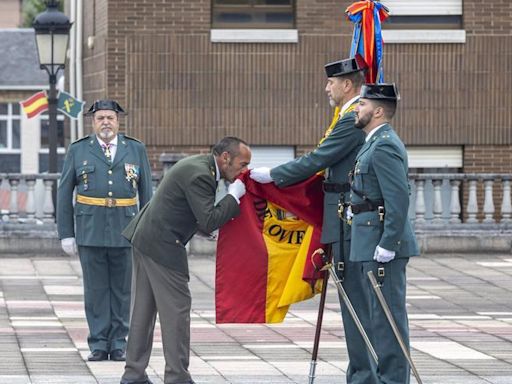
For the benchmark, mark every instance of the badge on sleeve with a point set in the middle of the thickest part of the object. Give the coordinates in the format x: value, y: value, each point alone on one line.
x: 132, y: 173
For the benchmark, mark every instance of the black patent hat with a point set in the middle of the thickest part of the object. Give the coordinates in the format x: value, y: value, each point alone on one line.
x: 380, y: 92
x: 346, y: 67
x: 100, y: 105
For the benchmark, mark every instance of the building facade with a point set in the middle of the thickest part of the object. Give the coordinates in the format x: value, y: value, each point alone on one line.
x: 190, y: 72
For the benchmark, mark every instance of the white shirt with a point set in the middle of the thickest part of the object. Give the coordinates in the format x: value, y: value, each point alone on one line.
x: 113, y: 146
x: 217, y: 172
x: 370, y: 134
x: 348, y: 104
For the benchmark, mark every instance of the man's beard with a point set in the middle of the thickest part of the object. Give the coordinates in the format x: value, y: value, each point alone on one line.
x: 106, y: 134
x: 362, y: 121
x: 332, y: 103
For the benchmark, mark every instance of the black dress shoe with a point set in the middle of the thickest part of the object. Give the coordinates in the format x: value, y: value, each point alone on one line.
x: 117, y: 355
x: 98, y: 355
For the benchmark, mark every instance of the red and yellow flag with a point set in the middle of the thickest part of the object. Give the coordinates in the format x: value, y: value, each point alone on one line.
x: 263, y: 263
x: 35, y: 104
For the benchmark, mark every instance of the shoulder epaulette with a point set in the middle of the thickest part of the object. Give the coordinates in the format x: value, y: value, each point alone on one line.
x: 81, y: 139
x: 132, y: 138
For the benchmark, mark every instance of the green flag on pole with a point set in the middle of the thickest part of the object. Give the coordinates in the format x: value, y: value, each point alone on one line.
x: 68, y: 105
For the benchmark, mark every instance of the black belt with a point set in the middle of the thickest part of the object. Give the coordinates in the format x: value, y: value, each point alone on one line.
x: 366, y: 206
x: 336, y: 187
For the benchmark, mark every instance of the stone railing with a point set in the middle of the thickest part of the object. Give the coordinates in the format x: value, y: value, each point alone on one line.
x: 476, y: 200
x: 27, y: 198
x: 465, y: 213
x: 437, y: 199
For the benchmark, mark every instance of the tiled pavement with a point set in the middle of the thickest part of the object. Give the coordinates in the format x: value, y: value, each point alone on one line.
x: 460, y: 314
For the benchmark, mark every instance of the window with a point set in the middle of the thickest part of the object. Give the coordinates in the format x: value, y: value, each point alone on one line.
x: 253, y: 14
x: 432, y: 21
x: 45, y: 127
x: 10, y: 127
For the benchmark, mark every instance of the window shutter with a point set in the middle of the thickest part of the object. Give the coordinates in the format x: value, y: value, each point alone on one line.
x: 423, y: 8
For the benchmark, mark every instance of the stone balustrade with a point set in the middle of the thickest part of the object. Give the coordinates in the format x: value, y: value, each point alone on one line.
x: 437, y: 199
x: 452, y: 213
x: 477, y: 200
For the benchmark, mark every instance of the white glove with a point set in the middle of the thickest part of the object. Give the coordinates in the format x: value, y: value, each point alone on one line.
x: 237, y: 189
x: 348, y: 213
x: 261, y: 175
x: 382, y: 255
x: 69, y: 246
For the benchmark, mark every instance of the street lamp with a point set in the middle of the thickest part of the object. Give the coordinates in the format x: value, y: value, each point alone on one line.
x: 52, y: 35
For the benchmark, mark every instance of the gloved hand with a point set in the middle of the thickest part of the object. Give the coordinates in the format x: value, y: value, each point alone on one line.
x: 348, y: 213
x: 261, y: 175
x: 237, y: 189
x: 69, y: 246
x: 382, y: 255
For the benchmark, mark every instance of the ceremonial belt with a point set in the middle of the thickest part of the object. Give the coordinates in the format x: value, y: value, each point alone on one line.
x: 106, y: 201
x: 368, y: 205
x: 336, y: 187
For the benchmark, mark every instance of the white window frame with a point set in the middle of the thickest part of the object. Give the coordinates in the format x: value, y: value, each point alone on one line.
x: 424, y: 8
x: 9, y: 118
x: 60, y: 150
x: 252, y: 35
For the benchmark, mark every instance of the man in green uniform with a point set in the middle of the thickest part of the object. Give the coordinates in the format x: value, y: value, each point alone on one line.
x: 335, y: 154
x: 108, y: 171
x: 382, y: 235
x: 184, y: 202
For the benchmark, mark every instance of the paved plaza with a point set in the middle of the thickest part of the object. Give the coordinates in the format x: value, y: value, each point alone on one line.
x: 460, y: 315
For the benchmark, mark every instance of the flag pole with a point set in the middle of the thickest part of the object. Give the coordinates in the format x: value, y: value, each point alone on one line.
x: 318, y: 331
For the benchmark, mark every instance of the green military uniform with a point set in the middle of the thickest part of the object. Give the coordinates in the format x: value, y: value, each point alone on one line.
x: 381, y: 180
x: 336, y: 153
x: 105, y: 203
x: 183, y: 203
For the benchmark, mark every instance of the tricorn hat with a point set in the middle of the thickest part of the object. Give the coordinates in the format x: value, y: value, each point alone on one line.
x: 99, y: 105
x: 345, y: 67
x: 380, y: 92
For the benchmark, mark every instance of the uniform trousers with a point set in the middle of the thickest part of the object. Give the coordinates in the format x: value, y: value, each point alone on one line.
x: 361, y: 366
x: 393, y: 367
x: 158, y: 289
x: 107, y: 281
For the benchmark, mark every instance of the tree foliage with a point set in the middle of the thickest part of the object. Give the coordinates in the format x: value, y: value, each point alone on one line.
x: 31, y: 8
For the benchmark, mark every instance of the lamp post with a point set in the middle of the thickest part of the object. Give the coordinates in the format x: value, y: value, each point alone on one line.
x: 52, y: 35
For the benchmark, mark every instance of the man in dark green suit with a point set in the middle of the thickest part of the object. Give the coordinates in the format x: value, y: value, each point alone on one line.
x: 107, y: 182
x: 336, y: 154
x: 382, y: 235
x: 183, y: 203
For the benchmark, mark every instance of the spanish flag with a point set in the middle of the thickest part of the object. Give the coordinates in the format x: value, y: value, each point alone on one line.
x: 35, y: 104
x: 263, y: 256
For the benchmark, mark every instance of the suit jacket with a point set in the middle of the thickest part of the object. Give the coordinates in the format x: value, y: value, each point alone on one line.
x: 381, y: 172
x: 87, y: 169
x: 336, y: 154
x: 183, y: 203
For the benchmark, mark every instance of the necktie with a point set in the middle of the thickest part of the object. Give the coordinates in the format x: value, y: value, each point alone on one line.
x: 106, y: 150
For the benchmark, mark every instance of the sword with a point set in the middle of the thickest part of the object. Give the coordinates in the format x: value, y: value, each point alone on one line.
x: 329, y: 266
x: 391, y: 320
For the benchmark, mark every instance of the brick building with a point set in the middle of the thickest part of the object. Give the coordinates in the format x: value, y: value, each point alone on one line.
x: 192, y: 71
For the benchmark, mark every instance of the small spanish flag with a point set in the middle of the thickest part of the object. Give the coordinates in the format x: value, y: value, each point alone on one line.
x: 35, y: 104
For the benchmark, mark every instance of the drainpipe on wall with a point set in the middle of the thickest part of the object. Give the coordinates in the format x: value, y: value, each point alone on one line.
x: 72, y: 63
x: 79, y: 65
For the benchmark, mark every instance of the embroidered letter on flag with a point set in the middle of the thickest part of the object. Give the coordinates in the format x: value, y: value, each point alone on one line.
x: 263, y: 255
x: 35, y: 104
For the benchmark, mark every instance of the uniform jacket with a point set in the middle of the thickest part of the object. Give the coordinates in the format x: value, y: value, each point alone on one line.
x: 336, y: 154
x: 183, y: 203
x: 381, y: 172
x: 87, y: 169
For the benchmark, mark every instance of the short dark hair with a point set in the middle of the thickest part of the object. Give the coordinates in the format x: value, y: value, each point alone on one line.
x: 357, y: 78
x: 229, y: 144
x: 389, y: 106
